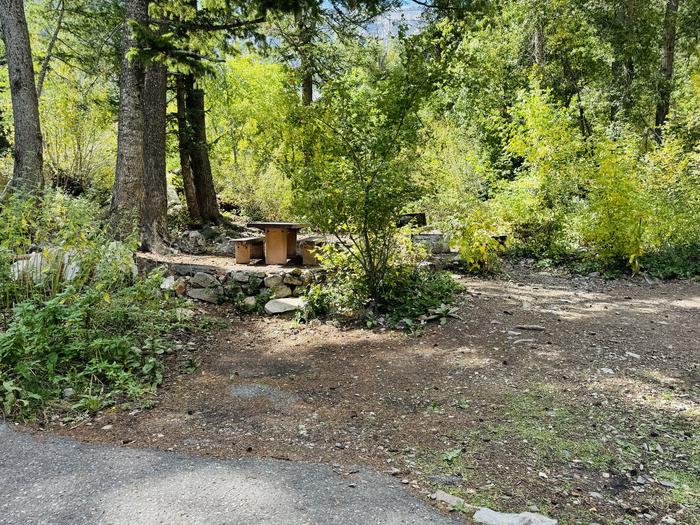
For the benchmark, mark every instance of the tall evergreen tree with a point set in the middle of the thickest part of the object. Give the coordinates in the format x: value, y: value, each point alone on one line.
x: 28, y: 146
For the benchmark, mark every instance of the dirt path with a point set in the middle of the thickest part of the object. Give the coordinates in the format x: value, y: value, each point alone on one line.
x: 577, y: 396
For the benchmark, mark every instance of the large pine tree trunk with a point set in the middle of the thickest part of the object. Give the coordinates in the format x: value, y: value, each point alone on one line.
x: 128, y: 190
x: 184, y: 147
x: 155, y: 205
x: 199, y: 156
x: 668, y: 57
x: 28, y: 148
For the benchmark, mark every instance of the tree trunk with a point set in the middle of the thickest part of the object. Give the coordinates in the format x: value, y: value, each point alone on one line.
x: 49, y: 50
x: 623, y: 67
x: 128, y: 190
x: 538, y: 43
x: 184, y: 147
x: 668, y: 56
x: 305, y: 59
x: 28, y: 147
x: 199, y: 156
x: 307, y: 88
x: 155, y: 209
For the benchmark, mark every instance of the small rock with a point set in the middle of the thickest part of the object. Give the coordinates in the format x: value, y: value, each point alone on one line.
x: 107, y: 427
x: 491, y: 517
x: 180, y: 287
x: 307, y: 277
x: 669, y: 520
x: 249, y: 302
x: 168, y: 283
x: 293, y: 280
x: 449, y: 499
x: 520, y: 341
x: 240, y: 277
x: 339, y: 446
x: 633, y: 355
x: 68, y: 393
x: 254, y: 282
x: 607, y: 370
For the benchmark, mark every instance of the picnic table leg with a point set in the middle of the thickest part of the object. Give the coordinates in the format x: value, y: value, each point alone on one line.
x: 242, y: 253
x: 276, y: 246
x: 291, y: 243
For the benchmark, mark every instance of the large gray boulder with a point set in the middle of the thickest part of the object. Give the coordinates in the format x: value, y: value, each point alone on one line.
x: 274, y: 280
x: 208, y: 295
x: 280, y: 306
x: 173, y: 197
x: 29, y: 268
x: 434, y: 241
x: 204, y: 280
x: 192, y: 242
x: 281, y: 291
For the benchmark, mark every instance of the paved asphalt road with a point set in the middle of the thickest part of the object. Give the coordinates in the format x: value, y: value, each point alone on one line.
x: 49, y: 480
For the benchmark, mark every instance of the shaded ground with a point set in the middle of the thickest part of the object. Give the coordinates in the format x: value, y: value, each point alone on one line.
x: 591, y: 415
x: 58, y: 481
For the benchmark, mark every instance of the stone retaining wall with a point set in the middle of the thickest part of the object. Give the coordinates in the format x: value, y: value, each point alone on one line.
x: 249, y: 288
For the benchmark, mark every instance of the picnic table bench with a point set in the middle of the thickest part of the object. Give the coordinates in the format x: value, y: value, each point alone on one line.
x: 247, y: 248
x: 280, y: 240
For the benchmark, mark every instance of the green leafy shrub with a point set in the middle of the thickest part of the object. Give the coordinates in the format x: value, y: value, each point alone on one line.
x: 411, y: 293
x: 80, y: 340
x: 609, y: 201
x: 102, y: 348
x: 481, y: 240
x: 617, y: 211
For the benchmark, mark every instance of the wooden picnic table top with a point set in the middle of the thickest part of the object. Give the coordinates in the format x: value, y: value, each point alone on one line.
x: 281, y: 225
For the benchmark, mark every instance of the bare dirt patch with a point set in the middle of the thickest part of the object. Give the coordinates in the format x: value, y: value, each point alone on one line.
x: 578, y: 396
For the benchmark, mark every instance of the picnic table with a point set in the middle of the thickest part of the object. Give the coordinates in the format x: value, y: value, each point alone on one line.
x: 280, y: 240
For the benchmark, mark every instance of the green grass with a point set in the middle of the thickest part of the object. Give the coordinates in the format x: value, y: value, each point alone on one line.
x: 542, y: 430
x: 686, y: 492
x: 550, y: 430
